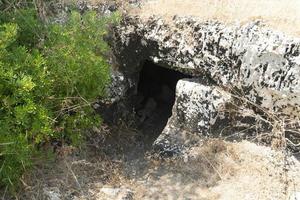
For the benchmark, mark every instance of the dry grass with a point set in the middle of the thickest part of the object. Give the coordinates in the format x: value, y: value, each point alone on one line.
x: 212, y: 170
x: 279, y: 14
x: 71, y: 177
x: 79, y: 175
x: 222, y: 170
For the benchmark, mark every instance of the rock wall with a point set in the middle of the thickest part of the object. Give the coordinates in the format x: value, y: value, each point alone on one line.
x: 245, y: 65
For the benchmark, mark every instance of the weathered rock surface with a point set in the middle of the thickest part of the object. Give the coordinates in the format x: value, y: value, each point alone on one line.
x: 196, y: 110
x: 251, y: 62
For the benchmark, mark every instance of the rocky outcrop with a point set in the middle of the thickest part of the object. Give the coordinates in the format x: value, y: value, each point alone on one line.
x: 197, y: 109
x: 247, y: 65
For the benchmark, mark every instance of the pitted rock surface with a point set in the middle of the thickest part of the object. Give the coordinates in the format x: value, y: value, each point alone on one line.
x: 249, y: 55
x: 196, y: 110
x: 263, y: 64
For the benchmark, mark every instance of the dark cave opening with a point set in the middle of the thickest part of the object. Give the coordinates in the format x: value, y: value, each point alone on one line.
x: 155, y: 97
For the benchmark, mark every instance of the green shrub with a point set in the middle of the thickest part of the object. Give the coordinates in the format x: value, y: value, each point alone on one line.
x: 31, y: 30
x: 46, y: 91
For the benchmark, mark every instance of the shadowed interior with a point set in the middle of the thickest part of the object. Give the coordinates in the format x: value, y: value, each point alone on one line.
x: 155, y: 97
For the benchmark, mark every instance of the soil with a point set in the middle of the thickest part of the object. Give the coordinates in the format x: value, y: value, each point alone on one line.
x: 214, y: 169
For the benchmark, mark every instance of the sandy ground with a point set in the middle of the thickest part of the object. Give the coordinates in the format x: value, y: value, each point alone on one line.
x: 221, y: 170
x: 279, y: 14
x: 213, y: 170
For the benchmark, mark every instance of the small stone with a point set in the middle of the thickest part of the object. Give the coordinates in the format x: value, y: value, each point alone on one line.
x: 117, y: 193
x: 52, y: 193
x: 112, y: 192
x: 96, y: 106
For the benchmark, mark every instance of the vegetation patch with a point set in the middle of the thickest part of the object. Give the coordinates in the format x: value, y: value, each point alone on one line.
x: 50, y: 75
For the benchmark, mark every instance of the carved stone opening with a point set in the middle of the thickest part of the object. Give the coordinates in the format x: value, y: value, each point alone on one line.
x: 155, y: 97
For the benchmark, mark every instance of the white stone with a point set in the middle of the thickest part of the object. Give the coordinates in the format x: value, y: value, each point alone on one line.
x: 52, y: 193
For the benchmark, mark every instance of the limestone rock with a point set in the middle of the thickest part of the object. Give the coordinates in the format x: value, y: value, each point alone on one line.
x: 117, y: 193
x: 196, y: 110
x: 52, y: 193
x: 262, y: 64
x: 248, y: 56
x: 118, y: 87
